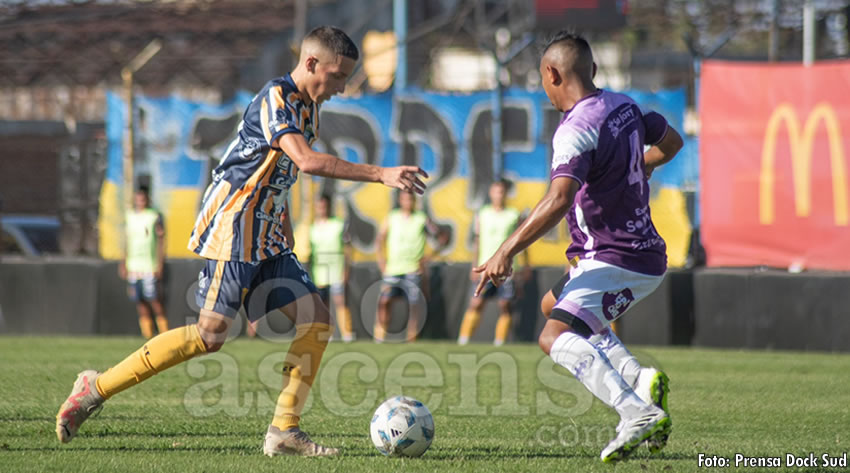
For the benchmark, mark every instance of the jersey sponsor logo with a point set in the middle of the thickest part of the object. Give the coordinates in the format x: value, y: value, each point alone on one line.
x: 266, y: 217
x: 642, y: 223
x: 646, y: 244
x: 615, y: 303
x: 802, y: 145
x: 621, y: 120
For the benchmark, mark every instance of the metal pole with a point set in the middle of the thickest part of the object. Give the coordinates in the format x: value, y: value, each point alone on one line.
x: 773, y: 36
x: 400, y: 27
x: 496, y: 123
x: 127, y: 77
x: 300, y: 24
x: 808, y: 32
x: 503, y: 55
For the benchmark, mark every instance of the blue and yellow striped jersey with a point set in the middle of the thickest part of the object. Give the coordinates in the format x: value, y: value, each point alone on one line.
x: 243, y: 209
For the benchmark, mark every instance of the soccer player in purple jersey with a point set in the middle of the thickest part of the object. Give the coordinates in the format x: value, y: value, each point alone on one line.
x: 244, y: 233
x: 599, y: 183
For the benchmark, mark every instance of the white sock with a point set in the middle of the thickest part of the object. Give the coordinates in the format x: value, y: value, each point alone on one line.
x: 593, y: 369
x: 620, y: 357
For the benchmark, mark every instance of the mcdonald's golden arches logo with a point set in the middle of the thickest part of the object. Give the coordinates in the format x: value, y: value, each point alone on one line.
x: 801, y: 161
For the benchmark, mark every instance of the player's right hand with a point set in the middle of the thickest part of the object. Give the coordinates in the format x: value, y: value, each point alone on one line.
x: 405, y: 178
x: 496, y: 270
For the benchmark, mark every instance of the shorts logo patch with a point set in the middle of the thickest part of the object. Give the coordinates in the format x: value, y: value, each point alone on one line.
x: 615, y: 303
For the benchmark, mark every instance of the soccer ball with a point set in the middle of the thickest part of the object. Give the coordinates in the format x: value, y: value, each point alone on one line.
x: 402, y: 427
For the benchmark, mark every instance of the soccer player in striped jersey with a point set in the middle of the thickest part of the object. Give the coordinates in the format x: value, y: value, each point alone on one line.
x: 244, y: 233
x: 599, y: 184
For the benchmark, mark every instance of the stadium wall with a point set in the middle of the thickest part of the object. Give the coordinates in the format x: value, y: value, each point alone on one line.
x: 749, y: 308
x: 727, y: 308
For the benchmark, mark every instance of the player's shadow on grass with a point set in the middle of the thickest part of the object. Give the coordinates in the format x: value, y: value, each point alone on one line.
x: 128, y: 448
x: 53, y: 418
x: 338, y: 435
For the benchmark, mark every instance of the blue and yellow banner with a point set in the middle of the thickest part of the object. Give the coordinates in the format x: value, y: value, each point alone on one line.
x: 448, y: 135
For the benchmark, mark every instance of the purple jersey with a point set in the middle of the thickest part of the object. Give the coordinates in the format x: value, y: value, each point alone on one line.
x: 599, y: 143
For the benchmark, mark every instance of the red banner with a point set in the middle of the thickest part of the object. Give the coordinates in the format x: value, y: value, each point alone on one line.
x: 774, y: 144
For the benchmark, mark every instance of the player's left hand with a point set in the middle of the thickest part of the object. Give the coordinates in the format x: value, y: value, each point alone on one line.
x: 405, y: 178
x: 498, y: 268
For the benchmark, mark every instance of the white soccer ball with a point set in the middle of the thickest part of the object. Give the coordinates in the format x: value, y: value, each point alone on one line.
x: 402, y: 427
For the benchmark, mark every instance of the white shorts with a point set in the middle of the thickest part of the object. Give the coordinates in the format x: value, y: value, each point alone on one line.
x: 599, y: 293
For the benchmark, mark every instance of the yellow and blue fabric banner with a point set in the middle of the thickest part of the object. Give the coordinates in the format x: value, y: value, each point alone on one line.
x: 448, y: 135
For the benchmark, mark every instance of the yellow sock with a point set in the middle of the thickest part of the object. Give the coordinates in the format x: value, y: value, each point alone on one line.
x: 159, y: 353
x: 412, y: 332
x: 503, y: 326
x: 299, y: 371
x: 469, y: 325
x: 343, y: 317
x: 162, y: 324
x: 146, y: 324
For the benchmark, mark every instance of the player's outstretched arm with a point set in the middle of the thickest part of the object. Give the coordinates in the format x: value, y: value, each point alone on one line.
x: 663, y: 151
x: 321, y: 164
x: 545, y: 215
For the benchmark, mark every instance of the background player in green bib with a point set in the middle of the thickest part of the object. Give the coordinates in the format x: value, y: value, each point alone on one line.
x: 493, y: 224
x: 330, y: 257
x: 143, y: 263
x: 402, y: 236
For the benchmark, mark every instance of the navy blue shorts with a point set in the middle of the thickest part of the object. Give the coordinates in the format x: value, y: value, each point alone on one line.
x: 325, y: 292
x: 143, y: 289
x: 223, y: 286
x: 403, y: 285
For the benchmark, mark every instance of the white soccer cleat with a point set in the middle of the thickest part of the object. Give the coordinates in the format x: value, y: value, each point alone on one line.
x: 633, y: 432
x: 81, y: 403
x: 294, y: 442
x: 653, y: 387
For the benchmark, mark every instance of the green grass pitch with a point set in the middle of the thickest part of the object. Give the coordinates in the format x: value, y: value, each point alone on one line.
x: 496, y: 409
